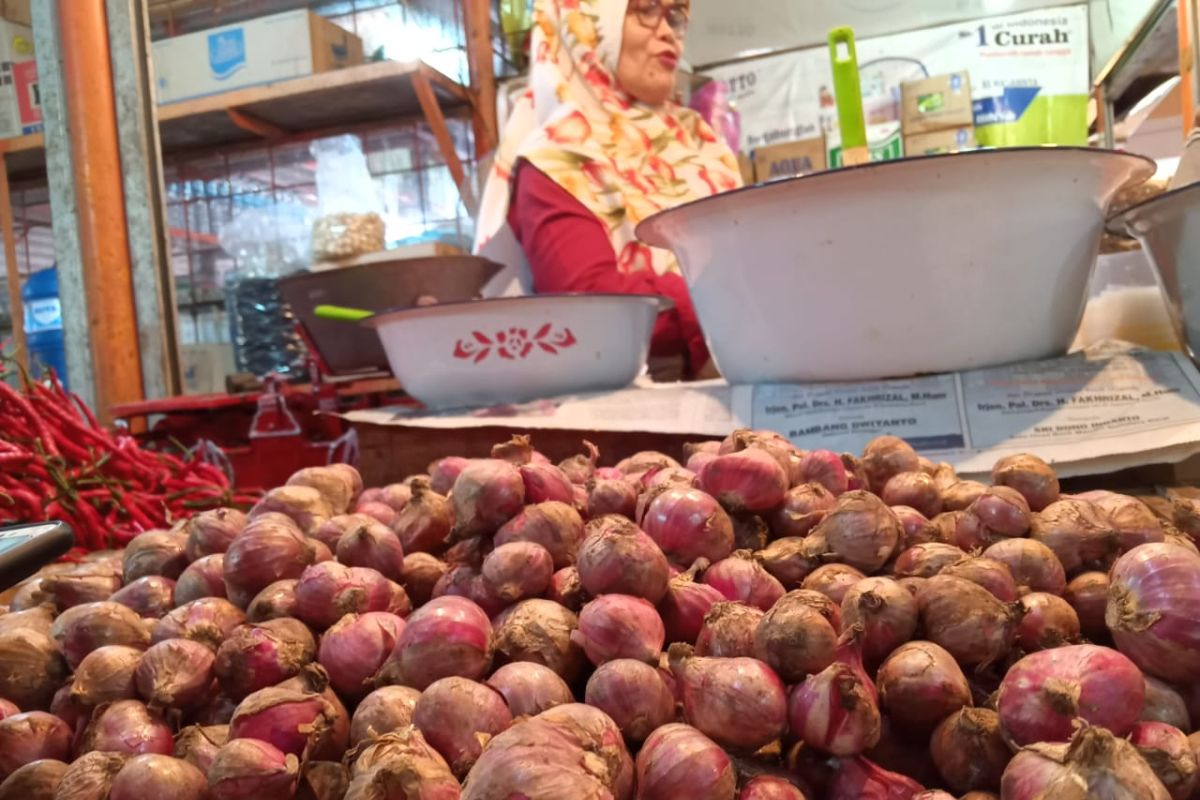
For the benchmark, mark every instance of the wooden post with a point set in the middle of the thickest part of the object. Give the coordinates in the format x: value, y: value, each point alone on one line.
x: 1190, y: 90
x: 100, y: 203
x: 15, y: 307
x: 477, y: 19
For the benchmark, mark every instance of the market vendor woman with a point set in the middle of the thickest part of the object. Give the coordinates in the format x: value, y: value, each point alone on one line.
x: 594, y: 147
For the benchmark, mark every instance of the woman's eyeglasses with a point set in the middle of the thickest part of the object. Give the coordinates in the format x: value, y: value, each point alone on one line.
x: 651, y: 13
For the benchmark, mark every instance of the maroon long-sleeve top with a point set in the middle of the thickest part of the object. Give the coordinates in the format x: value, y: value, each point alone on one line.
x: 569, y: 251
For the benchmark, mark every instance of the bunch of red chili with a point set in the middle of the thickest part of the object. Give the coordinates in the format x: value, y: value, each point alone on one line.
x: 57, y: 462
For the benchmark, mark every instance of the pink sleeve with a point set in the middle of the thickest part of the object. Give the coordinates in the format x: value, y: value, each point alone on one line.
x: 569, y: 251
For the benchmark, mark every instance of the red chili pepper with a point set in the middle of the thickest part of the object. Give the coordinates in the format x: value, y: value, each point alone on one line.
x: 39, y: 425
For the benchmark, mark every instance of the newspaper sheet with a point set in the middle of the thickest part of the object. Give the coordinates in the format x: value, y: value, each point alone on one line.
x: 1084, y: 414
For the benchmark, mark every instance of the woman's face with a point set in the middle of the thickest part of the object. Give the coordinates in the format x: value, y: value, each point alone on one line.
x: 650, y: 53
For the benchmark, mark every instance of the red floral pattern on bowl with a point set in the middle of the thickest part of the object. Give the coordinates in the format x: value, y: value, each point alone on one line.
x: 514, y: 343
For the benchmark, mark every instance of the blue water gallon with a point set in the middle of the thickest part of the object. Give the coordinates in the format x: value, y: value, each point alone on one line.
x: 43, y: 323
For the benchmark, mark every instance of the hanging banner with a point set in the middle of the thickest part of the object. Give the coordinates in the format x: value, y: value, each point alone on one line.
x: 1029, y: 78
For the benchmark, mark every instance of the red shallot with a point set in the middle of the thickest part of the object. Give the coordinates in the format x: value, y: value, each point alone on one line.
x: 106, y: 674
x: 822, y: 467
x: 886, y: 456
x: 1046, y: 621
x: 611, y: 496
x: 1045, y: 693
x: 31, y: 668
x: 529, y: 688
x: 804, y: 506
x: 25, y: 738
x: 1095, y: 764
x: 634, y: 694
x: 969, y: 751
x: 297, y: 721
x: 1154, y: 610
x: 688, y: 524
x: 1033, y: 565
x: 149, y: 596
x: 518, y: 570
x: 374, y: 546
x: 1088, y: 595
x: 81, y: 629
x: 748, y: 480
x: 269, y: 549
x: 275, y: 601
x: 207, y: 620
x: 252, y: 768
x: 328, y: 591
x: 487, y: 493
x: 679, y: 761
x: 1168, y: 752
x: 568, y: 751
x: 729, y: 630
x: 566, y: 589
x: 617, y: 557
x: 553, y: 525
x: 886, y: 612
x: 204, y: 577
x: 742, y: 579
x: 1077, y: 532
x: 128, y: 727
x: 1164, y: 704
x: 354, y: 649
x: 836, y: 710
x: 833, y: 581
x: 915, y: 490
x: 739, y: 702
x: 539, y: 631
x: 446, y: 636
x: 794, y: 638
x: 860, y: 531
x: 211, y: 532
x: 198, y: 744
x: 967, y: 620
x: 791, y: 559
x: 927, y: 560
x: 860, y: 778
x: 920, y: 684
x: 998, y: 513
x: 444, y: 472
x: 1029, y: 475
x: 421, y: 573
x: 685, y: 605
x: 619, y: 626
x: 175, y: 674
x: 993, y: 575
x: 387, y: 709
x: 154, y: 553
x: 456, y: 715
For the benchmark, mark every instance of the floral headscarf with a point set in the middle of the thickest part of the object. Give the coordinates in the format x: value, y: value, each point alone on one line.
x: 622, y: 159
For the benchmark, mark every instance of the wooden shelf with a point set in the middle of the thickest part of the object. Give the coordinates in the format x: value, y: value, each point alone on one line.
x: 326, y: 101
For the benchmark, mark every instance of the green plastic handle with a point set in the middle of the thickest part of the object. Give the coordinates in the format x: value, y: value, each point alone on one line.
x: 848, y: 87
x: 342, y: 314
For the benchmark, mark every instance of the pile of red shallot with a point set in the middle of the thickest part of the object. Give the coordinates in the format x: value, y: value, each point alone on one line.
x: 755, y: 623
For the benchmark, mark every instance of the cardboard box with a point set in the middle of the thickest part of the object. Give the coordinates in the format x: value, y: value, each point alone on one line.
x: 20, y: 101
x: 264, y: 50
x: 937, y: 103
x: 789, y: 159
x: 205, y: 366
x: 884, y: 142
x: 17, y: 11
x: 952, y: 140
x: 746, y: 165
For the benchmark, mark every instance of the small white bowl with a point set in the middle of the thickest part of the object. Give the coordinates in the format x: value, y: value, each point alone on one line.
x: 513, y: 349
x: 930, y: 264
x: 1168, y: 226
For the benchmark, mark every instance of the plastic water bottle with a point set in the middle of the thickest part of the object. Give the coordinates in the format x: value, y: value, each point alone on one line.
x: 43, y: 323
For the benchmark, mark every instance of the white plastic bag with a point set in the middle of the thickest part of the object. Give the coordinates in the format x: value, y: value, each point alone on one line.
x: 349, y: 222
